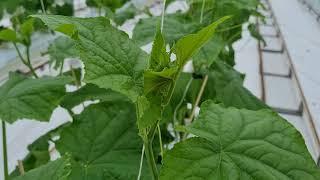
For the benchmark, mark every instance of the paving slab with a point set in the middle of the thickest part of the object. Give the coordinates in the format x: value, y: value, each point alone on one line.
x: 267, y: 30
x: 281, y: 94
x: 273, y: 44
x: 275, y: 64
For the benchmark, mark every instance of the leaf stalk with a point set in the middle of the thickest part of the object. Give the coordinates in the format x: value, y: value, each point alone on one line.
x: 26, y: 62
x: 150, y: 159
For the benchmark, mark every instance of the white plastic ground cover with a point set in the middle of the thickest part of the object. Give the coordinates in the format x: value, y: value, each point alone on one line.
x: 301, y: 33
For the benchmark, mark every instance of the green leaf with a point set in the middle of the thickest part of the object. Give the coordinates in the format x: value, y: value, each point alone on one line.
x: 60, y: 49
x: 177, y: 97
x: 159, y: 81
x: 22, y: 97
x: 90, y: 92
x: 125, y: 13
x: 9, y: 35
x: 149, y: 112
x: 158, y: 87
x: 189, y: 45
x: 175, y: 27
x: 76, y: 75
x: 112, y: 4
x: 240, y: 144
x: 26, y: 28
x: 39, y: 151
x: 111, y: 59
x: 208, y: 54
x: 255, y: 33
x: 56, y: 170
x: 104, y: 143
x: 8, y: 6
x: 225, y: 85
x: 159, y: 58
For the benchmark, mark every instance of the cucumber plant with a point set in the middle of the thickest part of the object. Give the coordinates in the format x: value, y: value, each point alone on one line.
x: 139, y: 124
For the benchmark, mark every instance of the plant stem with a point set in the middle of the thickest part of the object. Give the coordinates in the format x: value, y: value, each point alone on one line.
x: 150, y: 159
x: 21, y: 168
x: 180, y: 103
x: 203, y: 85
x: 163, y: 12
x: 4, y: 148
x: 202, y: 10
x: 26, y: 62
x: 141, y: 163
x: 205, y: 80
x: 42, y: 7
x: 29, y: 63
x: 61, y: 69
x: 19, y: 53
x: 160, y: 140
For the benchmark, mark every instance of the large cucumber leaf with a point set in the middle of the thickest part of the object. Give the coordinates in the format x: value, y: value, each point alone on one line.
x: 90, y: 92
x: 56, y: 170
x: 39, y: 151
x: 103, y: 142
x: 111, y: 59
x: 240, y: 144
x: 23, y: 97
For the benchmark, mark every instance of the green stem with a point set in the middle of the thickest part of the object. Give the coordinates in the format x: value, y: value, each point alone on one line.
x: 61, y: 70
x: 150, y: 159
x: 160, y: 140
x: 162, y: 14
x: 141, y: 163
x: 5, y: 155
x: 26, y: 62
x: 202, y: 10
x: 42, y: 7
x: 29, y: 63
x: 19, y: 53
x: 196, y: 104
x: 179, y: 105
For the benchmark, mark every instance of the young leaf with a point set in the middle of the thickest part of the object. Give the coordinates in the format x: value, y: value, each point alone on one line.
x: 255, y: 33
x: 111, y: 59
x: 22, y: 97
x: 25, y: 31
x: 60, y: 49
x: 159, y: 58
x: 9, y: 35
x: 56, y: 170
x: 158, y: 85
x: 189, y: 45
x: 208, y: 54
x: 90, y: 92
x: 26, y: 28
x: 103, y: 141
x: 240, y: 144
